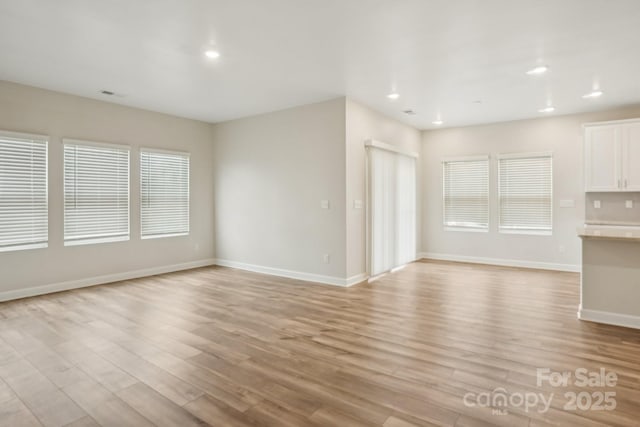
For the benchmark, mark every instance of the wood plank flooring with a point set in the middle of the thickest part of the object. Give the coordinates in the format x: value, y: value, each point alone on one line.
x: 223, y: 347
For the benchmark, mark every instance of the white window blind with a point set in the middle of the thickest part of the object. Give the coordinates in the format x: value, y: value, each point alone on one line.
x: 466, y: 193
x: 96, y: 192
x: 23, y: 192
x: 164, y: 193
x: 525, y: 193
x: 392, y: 188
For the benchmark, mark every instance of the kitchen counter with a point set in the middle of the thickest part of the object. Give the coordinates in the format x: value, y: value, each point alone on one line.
x: 610, y: 232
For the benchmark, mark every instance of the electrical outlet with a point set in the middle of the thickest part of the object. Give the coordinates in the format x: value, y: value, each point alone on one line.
x: 357, y: 204
x: 597, y: 204
x: 629, y: 204
x: 324, y: 204
x: 326, y: 258
x: 562, y: 249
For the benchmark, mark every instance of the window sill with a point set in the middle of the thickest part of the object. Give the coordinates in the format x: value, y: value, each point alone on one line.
x: 24, y: 247
x: 468, y: 229
x: 527, y: 232
x: 94, y: 241
x: 160, y: 236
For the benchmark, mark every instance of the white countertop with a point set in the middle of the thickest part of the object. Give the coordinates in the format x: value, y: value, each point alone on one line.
x: 611, y: 232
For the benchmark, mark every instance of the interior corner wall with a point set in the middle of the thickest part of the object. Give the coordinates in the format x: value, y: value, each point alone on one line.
x: 271, y: 173
x: 37, y: 111
x: 563, y: 135
x: 363, y: 123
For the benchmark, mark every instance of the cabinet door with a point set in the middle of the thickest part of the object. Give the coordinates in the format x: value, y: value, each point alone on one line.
x: 631, y: 157
x: 602, y: 155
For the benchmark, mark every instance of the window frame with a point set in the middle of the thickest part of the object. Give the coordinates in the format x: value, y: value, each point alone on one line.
x: 98, y: 239
x: 174, y: 153
x: 33, y: 138
x: 462, y: 228
x: 524, y: 230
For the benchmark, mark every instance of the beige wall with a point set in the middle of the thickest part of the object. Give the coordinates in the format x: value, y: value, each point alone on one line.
x: 560, y: 134
x: 31, y: 110
x: 270, y: 174
x: 362, y: 124
x: 272, y: 171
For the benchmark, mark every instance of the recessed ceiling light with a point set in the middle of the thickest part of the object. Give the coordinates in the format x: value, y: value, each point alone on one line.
x: 547, y: 110
x: 437, y: 122
x: 538, y: 70
x: 212, y: 54
x: 594, y: 94
x: 393, y: 96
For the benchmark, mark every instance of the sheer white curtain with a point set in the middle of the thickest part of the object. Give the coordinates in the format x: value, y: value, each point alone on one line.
x: 392, y: 204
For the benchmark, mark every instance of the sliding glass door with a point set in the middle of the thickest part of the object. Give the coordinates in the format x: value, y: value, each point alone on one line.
x: 392, y: 208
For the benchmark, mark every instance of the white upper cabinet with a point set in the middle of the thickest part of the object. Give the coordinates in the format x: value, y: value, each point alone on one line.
x: 612, y: 155
x: 631, y: 157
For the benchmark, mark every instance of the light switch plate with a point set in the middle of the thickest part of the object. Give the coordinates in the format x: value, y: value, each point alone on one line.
x: 357, y: 204
x: 628, y: 204
x: 324, y: 204
x: 597, y: 204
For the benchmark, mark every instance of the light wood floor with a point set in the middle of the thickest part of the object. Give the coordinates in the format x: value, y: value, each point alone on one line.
x: 224, y: 347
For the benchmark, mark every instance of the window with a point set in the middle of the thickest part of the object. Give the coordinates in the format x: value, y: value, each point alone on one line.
x: 466, y: 193
x: 96, y: 192
x: 23, y: 192
x: 525, y: 193
x: 164, y: 193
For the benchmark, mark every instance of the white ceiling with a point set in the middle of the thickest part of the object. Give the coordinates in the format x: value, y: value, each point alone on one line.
x: 440, y: 55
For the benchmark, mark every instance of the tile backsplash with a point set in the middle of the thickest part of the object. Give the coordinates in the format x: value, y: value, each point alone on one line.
x: 612, y: 209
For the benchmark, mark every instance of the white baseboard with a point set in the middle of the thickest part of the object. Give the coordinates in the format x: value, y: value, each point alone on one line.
x: 358, y: 278
x: 100, y: 280
x: 501, y: 262
x: 299, y: 275
x: 617, y: 319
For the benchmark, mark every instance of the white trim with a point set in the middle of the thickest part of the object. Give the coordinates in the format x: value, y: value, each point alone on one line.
x: 469, y: 229
x: 28, y: 136
x: 398, y: 268
x: 163, y: 151
x: 525, y: 155
x: 79, y: 241
x: 160, y: 236
x: 609, y: 318
x: 611, y: 122
x: 372, y: 279
x: 525, y: 231
x: 299, y: 275
x: 358, y: 278
x: 72, y: 141
x: 502, y: 262
x: 465, y: 158
x: 388, y: 147
x: 24, y: 247
x: 100, y: 280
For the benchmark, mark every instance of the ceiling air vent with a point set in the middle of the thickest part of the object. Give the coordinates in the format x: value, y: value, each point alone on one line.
x: 410, y: 112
